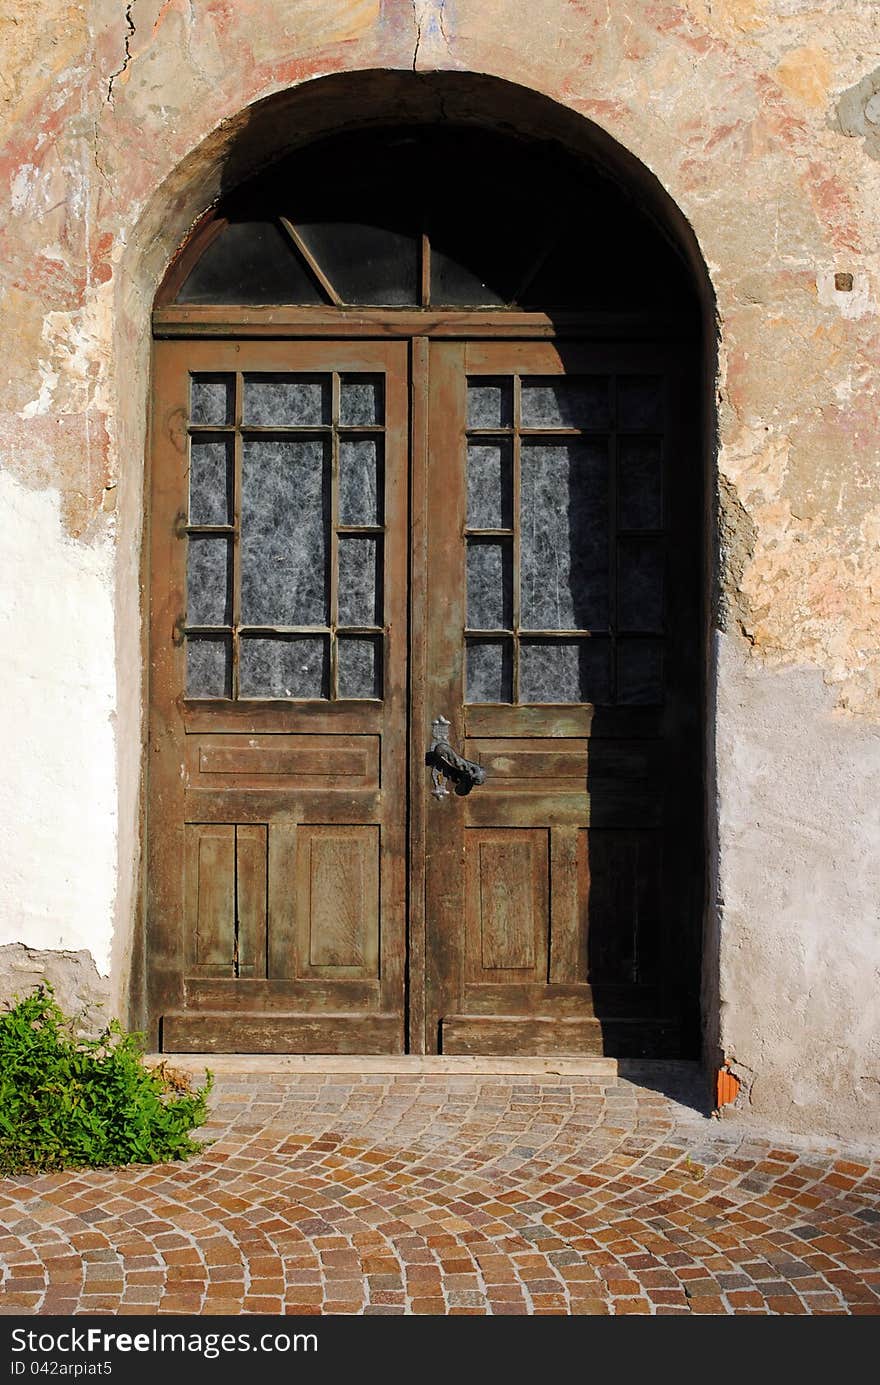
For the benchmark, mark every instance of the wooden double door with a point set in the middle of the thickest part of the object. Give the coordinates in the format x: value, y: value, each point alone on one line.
x: 351, y: 540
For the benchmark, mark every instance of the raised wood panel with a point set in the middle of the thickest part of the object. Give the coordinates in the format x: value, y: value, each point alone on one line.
x: 512, y: 1034
x: 641, y: 723
x: 312, y: 996
x: 569, y: 893
x: 337, y: 901
x: 282, y: 762
x: 210, y: 898
x: 225, y: 891
x: 258, y: 1032
x: 506, y: 894
x: 500, y: 1035
x: 625, y: 906
x: 281, y: 951
x: 251, y: 864
x: 281, y: 719
x: 618, y: 805
x: 560, y: 1000
x: 516, y: 764
x: 311, y: 806
x: 511, y: 766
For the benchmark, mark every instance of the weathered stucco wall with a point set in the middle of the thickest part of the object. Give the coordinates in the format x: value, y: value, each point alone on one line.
x: 761, y: 118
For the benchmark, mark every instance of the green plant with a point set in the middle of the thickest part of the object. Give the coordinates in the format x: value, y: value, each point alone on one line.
x: 73, y: 1102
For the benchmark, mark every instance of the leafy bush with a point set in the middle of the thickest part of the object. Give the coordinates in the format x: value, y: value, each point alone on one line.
x: 73, y: 1102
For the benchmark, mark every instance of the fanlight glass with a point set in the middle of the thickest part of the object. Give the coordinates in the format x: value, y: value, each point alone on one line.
x: 418, y: 217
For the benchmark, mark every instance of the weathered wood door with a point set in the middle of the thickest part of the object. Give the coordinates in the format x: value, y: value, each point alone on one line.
x: 277, y: 739
x: 562, y: 647
x: 308, y: 890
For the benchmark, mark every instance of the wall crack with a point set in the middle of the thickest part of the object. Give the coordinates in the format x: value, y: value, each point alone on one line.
x: 418, y: 24
x: 131, y: 31
x: 429, y: 17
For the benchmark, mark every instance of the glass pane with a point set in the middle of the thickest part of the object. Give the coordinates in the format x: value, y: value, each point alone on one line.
x: 361, y: 400
x: 358, y: 670
x: 640, y: 672
x: 208, y: 667
x: 212, y: 399
x: 489, y: 485
x: 291, y: 667
x: 287, y: 401
x: 489, y: 586
x: 489, y: 671
x: 210, y: 480
x: 640, y: 401
x: 455, y: 284
x: 250, y: 262
x: 571, y: 401
x: 359, y: 481
x: 365, y: 264
x: 557, y: 672
x: 640, y: 584
x: 284, y: 522
x: 208, y: 581
x: 640, y: 483
x: 564, y: 535
x: 489, y: 403
x: 359, y: 582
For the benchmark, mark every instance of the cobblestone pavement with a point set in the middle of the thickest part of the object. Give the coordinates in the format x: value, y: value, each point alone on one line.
x: 459, y: 1195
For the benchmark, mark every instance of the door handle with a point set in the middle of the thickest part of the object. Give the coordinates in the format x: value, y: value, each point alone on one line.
x: 446, y: 763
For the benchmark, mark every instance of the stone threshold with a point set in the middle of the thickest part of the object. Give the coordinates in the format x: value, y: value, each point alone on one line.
x: 406, y: 1065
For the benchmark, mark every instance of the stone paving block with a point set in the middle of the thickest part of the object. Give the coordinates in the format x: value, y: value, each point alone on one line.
x: 460, y: 1195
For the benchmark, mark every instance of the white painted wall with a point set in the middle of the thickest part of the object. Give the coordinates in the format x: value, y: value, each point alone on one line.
x: 57, y: 697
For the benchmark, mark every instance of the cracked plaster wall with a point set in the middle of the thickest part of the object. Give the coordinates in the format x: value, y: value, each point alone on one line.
x: 115, y: 124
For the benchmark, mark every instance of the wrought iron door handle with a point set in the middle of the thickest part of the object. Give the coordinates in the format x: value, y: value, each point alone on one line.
x: 446, y: 763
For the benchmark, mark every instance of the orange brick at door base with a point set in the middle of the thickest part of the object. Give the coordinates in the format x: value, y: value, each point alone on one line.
x: 726, y: 1088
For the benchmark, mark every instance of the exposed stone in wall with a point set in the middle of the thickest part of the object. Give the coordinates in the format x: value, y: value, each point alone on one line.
x: 858, y: 112
x: 79, y: 990
x: 736, y: 547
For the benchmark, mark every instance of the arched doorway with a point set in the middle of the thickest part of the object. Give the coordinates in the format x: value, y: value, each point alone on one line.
x: 426, y: 467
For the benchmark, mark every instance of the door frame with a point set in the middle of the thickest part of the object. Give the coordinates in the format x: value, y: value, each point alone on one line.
x: 419, y: 327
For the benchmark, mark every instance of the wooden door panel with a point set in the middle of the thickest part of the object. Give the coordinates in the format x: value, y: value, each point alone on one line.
x: 263, y: 1031
x: 357, y: 806
x: 514, y: 765
x: 251, y: 870
x: 549, y: 545
x: 282, y: 761
x: 278, y: 697
x: 626, y: 907
x: 506, y: 893
x: 502, y: 1035
x: 336, y: 894
x: 570, y: 896
x: 559, y: 550
x: 210, y: 898
x: 621, y: 805
x: 277, y: 995
x: 225, y: 889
